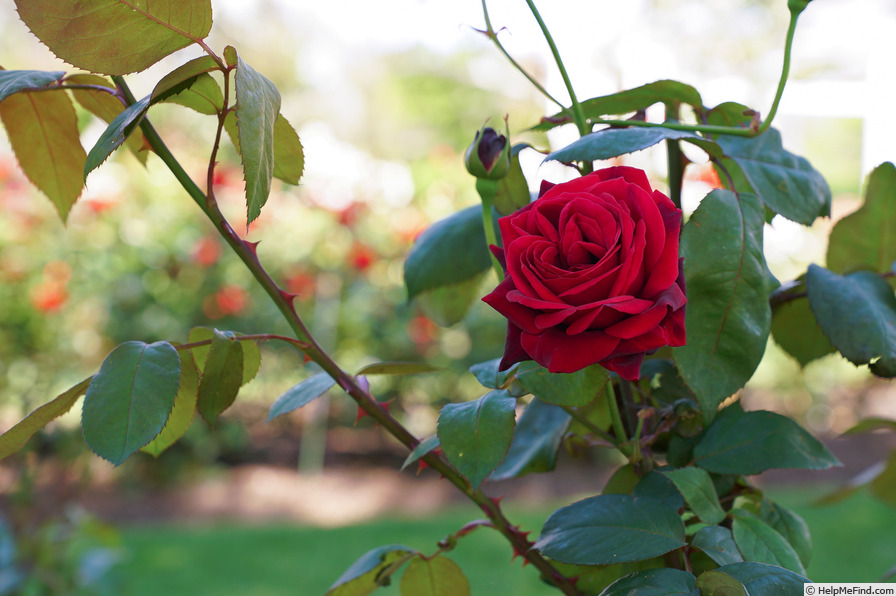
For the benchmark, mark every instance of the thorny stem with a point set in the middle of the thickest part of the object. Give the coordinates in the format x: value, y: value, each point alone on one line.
x: 246, y: 251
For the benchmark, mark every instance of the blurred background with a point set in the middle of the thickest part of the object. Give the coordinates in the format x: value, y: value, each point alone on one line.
x: 385, y: 96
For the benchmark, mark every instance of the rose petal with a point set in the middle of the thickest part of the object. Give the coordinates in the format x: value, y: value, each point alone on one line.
x: 513, y: 349
x: 560, y: 353
x: 520, y: 315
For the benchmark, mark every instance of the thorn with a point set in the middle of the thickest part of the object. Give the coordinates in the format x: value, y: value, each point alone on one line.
x: 421, y: 465
x: 253, y: 246
x: 288, y: 296
x: 383, y: 405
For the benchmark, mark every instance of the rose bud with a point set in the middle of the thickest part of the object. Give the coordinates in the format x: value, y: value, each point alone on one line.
x: 488, y: 156
x: 592, y: 275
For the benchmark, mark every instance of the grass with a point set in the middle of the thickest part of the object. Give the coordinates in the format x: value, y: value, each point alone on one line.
x: 854, y: 542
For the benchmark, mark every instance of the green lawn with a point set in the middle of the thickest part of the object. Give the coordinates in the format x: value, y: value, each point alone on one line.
x: 854, y: 541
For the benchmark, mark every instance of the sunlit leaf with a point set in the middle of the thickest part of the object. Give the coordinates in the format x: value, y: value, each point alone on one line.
x: 612, y: 142
x: 361, y: 578
x: 439, y: 576
x: 396, y: 368
x: 116, y: 36
x: 128, y: 401
x: 630, y: 100
x: 16, y: 437
x: 257, y: 108
x: 865, y: 239
x: 184, y: 409
x: 42, y: 128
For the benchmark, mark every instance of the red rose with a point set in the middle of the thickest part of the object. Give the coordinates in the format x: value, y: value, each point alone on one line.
x: 593, y: 275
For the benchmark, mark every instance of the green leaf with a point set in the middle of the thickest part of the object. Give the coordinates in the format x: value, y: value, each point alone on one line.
x: 759, y: 579
x: 656, y: 486
x: 728, y: 316
x: 203, y: 95
x: 13, y: 81
x: 869, y: 424
x: 452, y: 250
x: 184, y: 409
x: 116, y: 37
x: 789, y: 525
x: 536, y: 440
x: 130, y: 398
x: 696, y: 486
x: 563, y: 389
x: 715, y: 583
x: 439, y: 576
x: 301, y: 394
x: 251, y: 352
x: 730, y: 113
x: 592, y: 580
x: 448, y: 304
x: 42, y: 128
x: 748, y: 443
x: 116, y: 134
x: 489, y: 375
x: 612, y: 142
x: 257, y: 108
x: 475, y: 436
x: 630, y: 100
x: 759, y: 542
x: 857, y: 312
x: 864, y: 239
x: 654, y: 582
x: 786, y: 183
x: 422, y: 448
x: 15, y: 438
x: 797, y: 332
x: 361, y: 578
x: 182, y: 78
x: 289, y: 160
x: 104, y: 105
x: 289, y: 156
x: 718, y: 544
x: 222, y: 376
x: 397, y: 368
x: 611, y: 529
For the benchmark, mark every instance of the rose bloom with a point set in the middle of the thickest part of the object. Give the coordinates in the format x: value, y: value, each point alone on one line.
x: 592, y: 275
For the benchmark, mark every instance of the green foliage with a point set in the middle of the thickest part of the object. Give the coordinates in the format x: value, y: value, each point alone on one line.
x: 475, y: 436
x: 301, y: 394
x: 687, y: 462
x: 364, y: 576
x: 128, y: 401
x: 439, y: 576
x: 610, y: 529
x: 728, y: 316
x: 864, y: 239
x: 43, y: 130
x: 87, y: 34
x: 739, y: 442
x: 786, y: 183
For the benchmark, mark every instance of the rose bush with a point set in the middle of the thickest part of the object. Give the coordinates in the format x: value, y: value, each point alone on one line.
x: 592, y: 274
